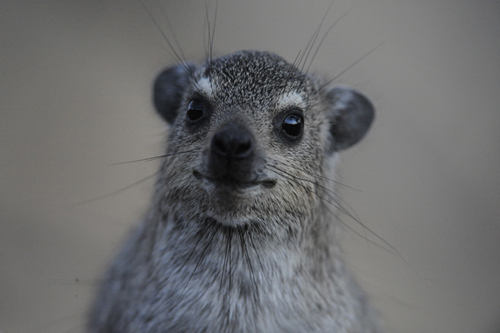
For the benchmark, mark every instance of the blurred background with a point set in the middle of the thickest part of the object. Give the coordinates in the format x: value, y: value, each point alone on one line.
x: 75, y: 99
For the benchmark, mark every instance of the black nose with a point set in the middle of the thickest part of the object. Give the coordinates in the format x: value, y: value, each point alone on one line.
x: 232, y: 142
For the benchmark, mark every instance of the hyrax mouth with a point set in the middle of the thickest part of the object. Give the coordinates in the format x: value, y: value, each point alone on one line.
x: 230, y: 183
x: 231, y: 161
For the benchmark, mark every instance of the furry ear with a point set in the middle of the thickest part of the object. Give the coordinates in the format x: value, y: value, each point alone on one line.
x: 350, y: 115
x: 169, y: 88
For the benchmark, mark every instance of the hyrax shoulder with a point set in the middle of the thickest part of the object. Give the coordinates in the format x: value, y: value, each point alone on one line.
x: 239, y: 237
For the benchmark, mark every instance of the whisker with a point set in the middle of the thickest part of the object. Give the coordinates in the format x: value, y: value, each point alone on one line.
x: 295, y: 63
x: 331, y: 193
x: 252, y: 243
x: 315, y: 36
x: 201, y: 236
x: 324, y: 36
x: 350, y: 66
x: 114, y: 192
x: 316, y: 175
x: 213, y: 31
x: 174, y: 35
x: 209, y: 31
x: 241, y: 233
x: 178, y: 56
x: 153, y: 158
x: 134, y: 183
x: 307, y: 50
x: 295, y: 179
x: 229, y: 242
x: 339, y: 207
x: 202, y: 256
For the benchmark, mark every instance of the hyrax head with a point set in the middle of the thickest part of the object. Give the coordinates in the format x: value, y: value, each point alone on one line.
x: 251, y: 138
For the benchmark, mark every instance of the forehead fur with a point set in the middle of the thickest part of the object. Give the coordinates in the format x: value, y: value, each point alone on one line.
x: 291, y: 99
x: 253, y: 77
x: 205, y: 87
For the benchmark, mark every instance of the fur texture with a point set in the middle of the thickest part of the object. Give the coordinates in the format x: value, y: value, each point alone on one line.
x: 240, y: 236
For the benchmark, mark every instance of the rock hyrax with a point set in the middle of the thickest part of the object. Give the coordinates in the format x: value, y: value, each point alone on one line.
x: 240, y: 236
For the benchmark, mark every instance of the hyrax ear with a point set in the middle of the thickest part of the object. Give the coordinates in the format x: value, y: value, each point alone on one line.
x: 350, y: 115
x: 168, y: 89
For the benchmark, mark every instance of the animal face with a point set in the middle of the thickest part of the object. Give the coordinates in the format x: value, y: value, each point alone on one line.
x: 252, y: 133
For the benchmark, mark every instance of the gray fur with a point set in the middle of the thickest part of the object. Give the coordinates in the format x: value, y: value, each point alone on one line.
x: 251, y: 248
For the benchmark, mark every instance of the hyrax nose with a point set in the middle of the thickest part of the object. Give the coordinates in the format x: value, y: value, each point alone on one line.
x: 232, y: 142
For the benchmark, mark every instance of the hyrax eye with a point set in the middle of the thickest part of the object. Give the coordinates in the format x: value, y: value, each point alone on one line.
x: 196, y: 110
x: 292, y: 126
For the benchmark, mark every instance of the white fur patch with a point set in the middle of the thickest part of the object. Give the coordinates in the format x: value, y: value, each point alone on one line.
x: 290, y: 99
x: 205, y: 87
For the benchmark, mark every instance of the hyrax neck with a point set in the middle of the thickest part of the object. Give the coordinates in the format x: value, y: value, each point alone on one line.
x: 237, y: 271
x: 252, y: 247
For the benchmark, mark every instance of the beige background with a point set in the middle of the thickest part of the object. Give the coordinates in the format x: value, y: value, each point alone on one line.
x: 75, y: 81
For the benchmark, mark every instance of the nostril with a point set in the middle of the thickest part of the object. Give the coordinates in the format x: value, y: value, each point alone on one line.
x: 232, y: 141
x: 220, y: 145
x: 243, y: 148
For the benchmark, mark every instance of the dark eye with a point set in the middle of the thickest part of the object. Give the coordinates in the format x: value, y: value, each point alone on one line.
x: 196, y: 110
x: 292, y: 126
